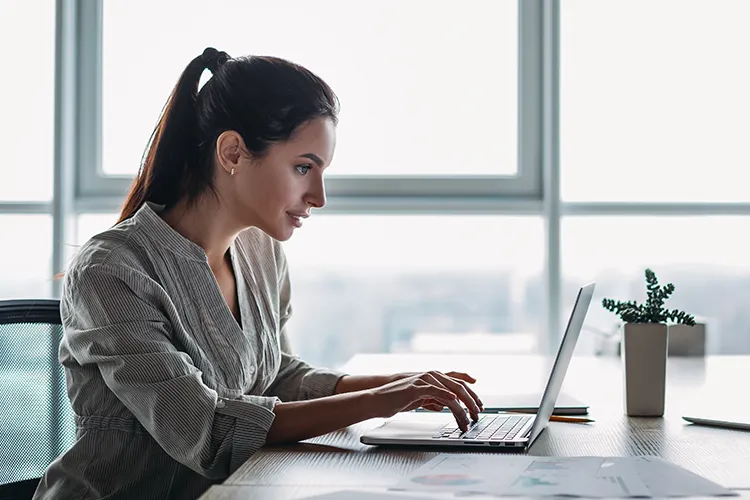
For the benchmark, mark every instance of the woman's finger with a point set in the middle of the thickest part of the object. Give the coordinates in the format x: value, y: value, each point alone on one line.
x: 463, y: 381
x: 432, y: 405
x: 462, y: 376
x: 474, y: 395
x: 414, y: 406
x: 449, y: 399
x: 459, y: 389
x: 469, y: 379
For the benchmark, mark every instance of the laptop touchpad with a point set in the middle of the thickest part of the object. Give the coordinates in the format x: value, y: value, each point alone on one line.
x: 411, y: 424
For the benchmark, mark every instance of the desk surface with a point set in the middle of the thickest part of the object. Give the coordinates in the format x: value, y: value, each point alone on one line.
x: 339, y: 461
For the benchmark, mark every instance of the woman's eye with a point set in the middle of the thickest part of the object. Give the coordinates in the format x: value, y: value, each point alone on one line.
x: 303, y: 169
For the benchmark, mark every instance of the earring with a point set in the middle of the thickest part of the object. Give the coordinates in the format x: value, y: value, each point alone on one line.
x: 232, y: 171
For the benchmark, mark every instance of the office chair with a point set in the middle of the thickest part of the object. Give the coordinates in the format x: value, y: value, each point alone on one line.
x: 36, y: 420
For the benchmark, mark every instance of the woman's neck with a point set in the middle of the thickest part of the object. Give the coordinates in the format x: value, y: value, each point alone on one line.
x: 206, y: 225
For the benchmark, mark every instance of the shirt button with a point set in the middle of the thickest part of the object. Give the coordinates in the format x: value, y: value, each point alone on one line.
x: 220, y: 403
x: 251, y: 370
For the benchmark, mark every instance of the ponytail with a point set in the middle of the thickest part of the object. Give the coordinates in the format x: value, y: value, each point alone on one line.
x: 168, y: 170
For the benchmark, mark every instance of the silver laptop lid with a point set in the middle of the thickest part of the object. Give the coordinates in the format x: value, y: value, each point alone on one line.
x: 562, y: 360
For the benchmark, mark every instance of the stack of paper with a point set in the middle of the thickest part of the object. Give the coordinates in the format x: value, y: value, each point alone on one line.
x: 595, y: 477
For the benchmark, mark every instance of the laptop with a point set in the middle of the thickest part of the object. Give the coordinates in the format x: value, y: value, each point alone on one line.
x: 512, y: 430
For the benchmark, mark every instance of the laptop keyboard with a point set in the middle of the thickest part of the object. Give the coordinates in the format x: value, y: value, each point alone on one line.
x: 487, y: 428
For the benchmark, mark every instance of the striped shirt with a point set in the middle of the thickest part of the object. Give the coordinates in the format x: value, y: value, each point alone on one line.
x: 170, y: 393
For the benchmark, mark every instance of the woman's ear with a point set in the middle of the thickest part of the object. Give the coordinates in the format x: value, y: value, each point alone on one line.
x: 229, y: 151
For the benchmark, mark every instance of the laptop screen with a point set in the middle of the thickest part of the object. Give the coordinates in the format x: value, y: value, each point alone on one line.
x: 562, y: 360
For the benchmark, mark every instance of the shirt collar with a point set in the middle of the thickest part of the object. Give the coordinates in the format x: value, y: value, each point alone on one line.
x: 163, y: 234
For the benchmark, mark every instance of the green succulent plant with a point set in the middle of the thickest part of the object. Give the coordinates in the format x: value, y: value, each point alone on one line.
x: 653, y: 311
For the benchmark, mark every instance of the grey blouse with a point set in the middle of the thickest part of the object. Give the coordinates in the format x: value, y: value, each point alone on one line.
x: 170, y: 393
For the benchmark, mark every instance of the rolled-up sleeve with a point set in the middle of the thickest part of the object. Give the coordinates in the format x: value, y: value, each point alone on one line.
x: 299, y: 381
x: 296, y: 379
x: 112, y: 319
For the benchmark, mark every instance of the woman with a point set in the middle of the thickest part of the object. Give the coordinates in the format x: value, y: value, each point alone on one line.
x: 175, y: 351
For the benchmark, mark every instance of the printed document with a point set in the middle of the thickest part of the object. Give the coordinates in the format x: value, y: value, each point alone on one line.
x: 528, y: 476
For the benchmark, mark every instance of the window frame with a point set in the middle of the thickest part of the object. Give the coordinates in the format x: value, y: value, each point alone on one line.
x: 390, y: 192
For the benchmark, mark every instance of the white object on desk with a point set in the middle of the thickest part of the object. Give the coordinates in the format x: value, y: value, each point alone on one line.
x: 685, y: 340
x: 720, y: 421
x: 594, y: 477
x: 665, y: 479
x: 644, y: 354
x: 503, y: 475
x: 365, y: 495
x: 528, y: 403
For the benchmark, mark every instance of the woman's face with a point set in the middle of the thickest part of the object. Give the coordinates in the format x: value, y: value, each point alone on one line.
x: 276, y: 193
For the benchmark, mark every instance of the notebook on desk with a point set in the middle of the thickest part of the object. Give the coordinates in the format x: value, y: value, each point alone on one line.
x: 529, y: 403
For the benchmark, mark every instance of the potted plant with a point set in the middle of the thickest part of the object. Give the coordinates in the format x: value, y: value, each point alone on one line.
x: 645, y: 346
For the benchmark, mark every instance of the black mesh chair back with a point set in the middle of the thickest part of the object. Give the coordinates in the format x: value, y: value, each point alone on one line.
x: 36, y: 421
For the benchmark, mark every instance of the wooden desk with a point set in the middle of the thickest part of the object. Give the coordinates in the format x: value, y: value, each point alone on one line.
x: 339, y: 461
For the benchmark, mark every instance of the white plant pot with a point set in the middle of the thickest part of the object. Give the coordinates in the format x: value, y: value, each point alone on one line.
x: 687, y: 340
x: 644, y: 353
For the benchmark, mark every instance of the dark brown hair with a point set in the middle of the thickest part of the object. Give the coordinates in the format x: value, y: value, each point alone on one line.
x: 264, y: 99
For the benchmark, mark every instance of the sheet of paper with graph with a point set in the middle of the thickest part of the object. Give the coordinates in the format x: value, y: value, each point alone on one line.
x: 521, y: 475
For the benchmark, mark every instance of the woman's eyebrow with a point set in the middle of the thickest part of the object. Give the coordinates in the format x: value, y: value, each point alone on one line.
x: 313, y: 157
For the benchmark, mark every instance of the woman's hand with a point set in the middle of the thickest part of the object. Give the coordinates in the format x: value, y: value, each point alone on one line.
x: 463, y: 378
x: 433, y: 405
x: 433, y: 390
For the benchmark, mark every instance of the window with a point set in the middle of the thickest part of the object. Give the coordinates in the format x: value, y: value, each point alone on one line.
x: 434, y: 92
x: 415, y: 283
x: 26, y: 272
x: 705, y: 258
x: 87, y: 225
x: 27, y: 30
x: 654, y: 100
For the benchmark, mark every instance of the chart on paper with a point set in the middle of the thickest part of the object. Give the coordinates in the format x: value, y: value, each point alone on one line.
x: 512, y: 475
x: 594, y: 477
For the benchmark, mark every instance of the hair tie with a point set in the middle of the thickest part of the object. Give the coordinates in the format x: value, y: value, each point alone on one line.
x: 213, y: 59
